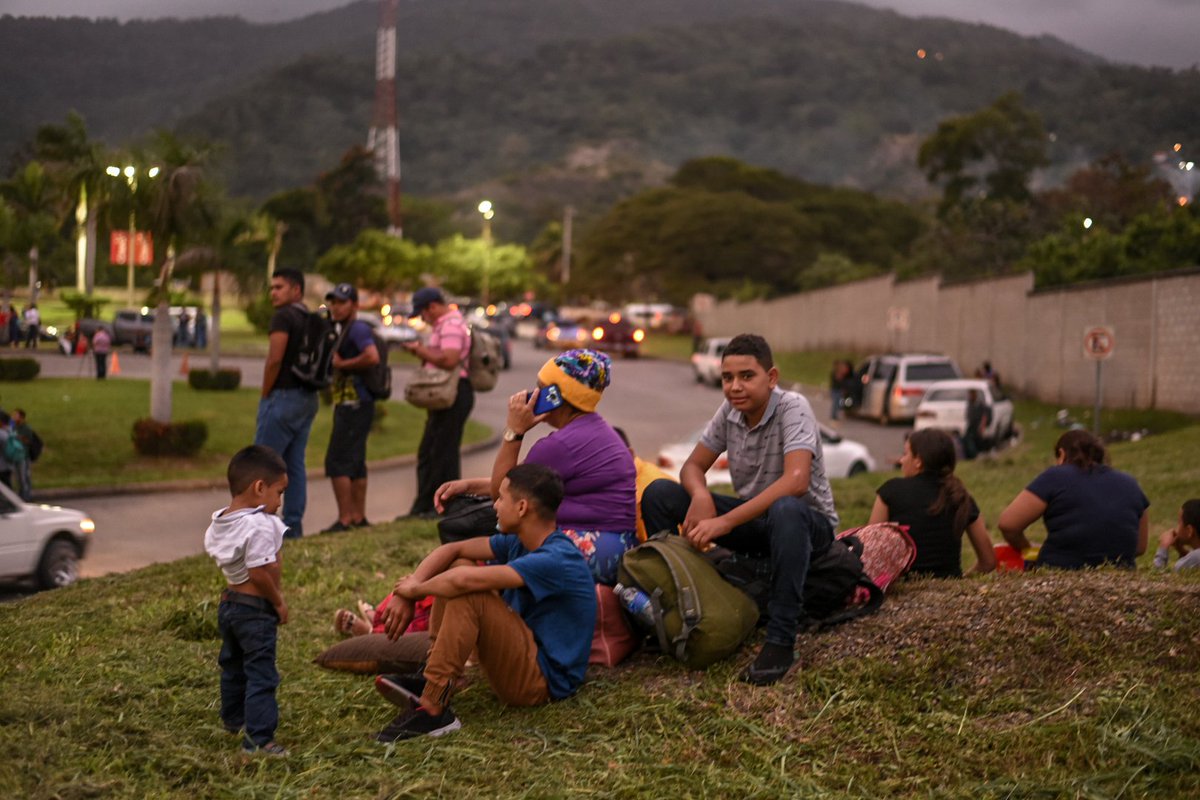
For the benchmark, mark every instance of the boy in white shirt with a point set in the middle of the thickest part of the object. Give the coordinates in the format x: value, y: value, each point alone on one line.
x: 245, y: 539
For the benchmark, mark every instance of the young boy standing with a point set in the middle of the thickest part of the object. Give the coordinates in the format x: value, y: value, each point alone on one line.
x: 784, y: 508
x: 245, y: 539
x: 530, y: 613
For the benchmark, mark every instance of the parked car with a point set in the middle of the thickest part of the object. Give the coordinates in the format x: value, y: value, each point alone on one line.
x: 395, y: 334
x: 41, y: 542
x: 891, y: 386
x: 134, y: 328
x: 843, y: 457
x: 706, y: 362
x: 615, y: 334
x: 944, y: 406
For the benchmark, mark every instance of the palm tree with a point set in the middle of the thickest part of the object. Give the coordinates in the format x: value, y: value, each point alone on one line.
x: 176, y: 210
x: 78, y: 164
x: 223, y: 249
x: 35, y: 205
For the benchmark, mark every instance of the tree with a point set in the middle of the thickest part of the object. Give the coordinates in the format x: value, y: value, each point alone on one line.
x: 36, y: 210
x: 460, y: 263
x: 175, y: 210
x: 990, y: 153
x: 78, y: 166
x: 378, y: 261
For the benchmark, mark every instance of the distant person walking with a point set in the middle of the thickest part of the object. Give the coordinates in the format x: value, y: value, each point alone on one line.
x: 101, y: 347
x: 201, y: 321
x: 33, y: 450
x: 438, y: 457
x: 287, y: 407
x: 353, y: 410
x: 33, y: 325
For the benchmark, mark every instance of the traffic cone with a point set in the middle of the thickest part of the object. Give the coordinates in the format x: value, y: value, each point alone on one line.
x: 183, y: 368
x: 115, y: 368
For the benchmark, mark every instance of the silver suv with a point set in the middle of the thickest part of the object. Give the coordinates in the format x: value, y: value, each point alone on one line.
x: 890, y: 387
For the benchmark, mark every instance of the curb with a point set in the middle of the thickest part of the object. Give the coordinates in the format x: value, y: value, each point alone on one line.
x: 204, y: 484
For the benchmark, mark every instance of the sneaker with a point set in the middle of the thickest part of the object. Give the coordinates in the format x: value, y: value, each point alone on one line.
x: 270, y: 749
x: 337, y: 527
x: 771, y: 664
x: 403, y: 690
x: 420, y: 516
x: 362, y: 523
x: 419, y: 722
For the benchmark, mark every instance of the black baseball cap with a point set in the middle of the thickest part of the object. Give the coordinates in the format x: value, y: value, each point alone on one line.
x: 343, y: 291
x: 424, y: 296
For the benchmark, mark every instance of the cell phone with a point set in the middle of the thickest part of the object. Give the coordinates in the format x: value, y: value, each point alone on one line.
x: 548, y: 399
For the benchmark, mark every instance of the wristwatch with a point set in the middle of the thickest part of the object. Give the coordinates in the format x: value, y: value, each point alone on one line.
x: 512, y: 436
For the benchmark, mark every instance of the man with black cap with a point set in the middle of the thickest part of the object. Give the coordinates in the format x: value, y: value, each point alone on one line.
x: 353, y: 410
x: 287, y: 407
x: 449, y: 346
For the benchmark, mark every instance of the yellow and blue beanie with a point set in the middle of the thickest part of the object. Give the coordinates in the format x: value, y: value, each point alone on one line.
x: 581, y: 375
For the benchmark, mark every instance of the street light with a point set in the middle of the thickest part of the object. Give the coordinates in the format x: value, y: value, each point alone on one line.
x: 488, y: 211
x: 130, y: 175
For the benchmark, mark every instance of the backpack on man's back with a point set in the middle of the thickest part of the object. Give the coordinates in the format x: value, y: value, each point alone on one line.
x: 484, y: 361
x: 377, y: 379
x: 314, y: 352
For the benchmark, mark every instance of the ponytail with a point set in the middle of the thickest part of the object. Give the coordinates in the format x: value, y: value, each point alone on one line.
x: 935, y: 448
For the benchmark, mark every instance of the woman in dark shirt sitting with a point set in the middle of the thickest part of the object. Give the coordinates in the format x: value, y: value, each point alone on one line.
x: 1093, y: 513
x: 932, y: 501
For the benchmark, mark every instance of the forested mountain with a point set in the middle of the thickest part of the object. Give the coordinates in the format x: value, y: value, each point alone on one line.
x: 828, y: 91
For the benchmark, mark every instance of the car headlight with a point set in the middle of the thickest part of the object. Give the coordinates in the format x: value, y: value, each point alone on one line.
x: 87, y: 525
x: 639, y: 335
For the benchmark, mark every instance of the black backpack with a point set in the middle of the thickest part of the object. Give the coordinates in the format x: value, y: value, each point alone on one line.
x: 377, y: 379
x: 35, y: 445
x: 314, y: 354
x: 833, y: 576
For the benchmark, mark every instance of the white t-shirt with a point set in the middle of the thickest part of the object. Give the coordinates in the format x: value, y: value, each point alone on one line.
x: 242, y: 540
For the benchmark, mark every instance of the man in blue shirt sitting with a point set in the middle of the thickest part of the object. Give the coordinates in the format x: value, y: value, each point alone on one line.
x: 533, y: 656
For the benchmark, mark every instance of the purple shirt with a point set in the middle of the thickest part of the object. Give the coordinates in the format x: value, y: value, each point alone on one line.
x: 599, y: 479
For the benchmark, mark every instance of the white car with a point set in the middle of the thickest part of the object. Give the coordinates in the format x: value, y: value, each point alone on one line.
x: 944, y: 406
x: 706, y: 362
x: 395, y: 334
x: 42, y: 542
x: 843, y: 458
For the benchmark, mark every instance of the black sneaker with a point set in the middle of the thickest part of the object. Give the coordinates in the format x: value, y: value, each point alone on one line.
x: 362, y: 523
x: 403, y: 690
x: 771, y: 664
x: 337, y: 527
x: 419, y: 722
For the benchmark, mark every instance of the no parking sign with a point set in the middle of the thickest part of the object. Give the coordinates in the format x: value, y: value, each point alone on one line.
x: 1099, y: 341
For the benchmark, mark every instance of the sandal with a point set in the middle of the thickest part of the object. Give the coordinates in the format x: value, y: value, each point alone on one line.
x: 343, y: 622
x: 366, y: 611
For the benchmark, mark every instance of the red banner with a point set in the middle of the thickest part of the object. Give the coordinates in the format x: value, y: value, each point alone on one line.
x: 143, y: 248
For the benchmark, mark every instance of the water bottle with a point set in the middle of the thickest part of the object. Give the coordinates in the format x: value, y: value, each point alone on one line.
x: 637, y: 603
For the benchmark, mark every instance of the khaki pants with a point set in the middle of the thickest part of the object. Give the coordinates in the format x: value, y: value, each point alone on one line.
x: 482, y: 621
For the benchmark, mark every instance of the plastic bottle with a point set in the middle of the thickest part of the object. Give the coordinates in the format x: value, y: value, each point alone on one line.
x: 637, y: 603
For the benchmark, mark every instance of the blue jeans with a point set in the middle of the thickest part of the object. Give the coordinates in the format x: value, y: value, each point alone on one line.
x: 26, y: 480
x: 788, y: 534
x: 285, y: 417
x: 248, y: 674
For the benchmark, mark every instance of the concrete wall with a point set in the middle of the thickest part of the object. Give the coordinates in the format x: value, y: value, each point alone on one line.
x: 1034, y: 339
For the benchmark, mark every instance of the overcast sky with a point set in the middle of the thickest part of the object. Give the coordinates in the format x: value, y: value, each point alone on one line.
x: 1149, y: 32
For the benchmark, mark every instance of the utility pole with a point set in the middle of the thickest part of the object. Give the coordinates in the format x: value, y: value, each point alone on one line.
x: 383, y: 139
x: 568, y: 218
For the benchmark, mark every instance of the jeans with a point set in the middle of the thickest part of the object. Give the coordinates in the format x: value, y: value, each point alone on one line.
x: 789, y: 534
x: 285, y: 417
x: 26, y: 480
x: 438, y: 456
x: 248, y: 674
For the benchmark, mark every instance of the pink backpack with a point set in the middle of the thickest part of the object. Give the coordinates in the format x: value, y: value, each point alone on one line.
x: 887, y: 553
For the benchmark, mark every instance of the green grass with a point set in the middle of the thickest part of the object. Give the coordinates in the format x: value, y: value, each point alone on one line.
x: 1048, y: 685
x: 810, y: 367
x: 87, y: 425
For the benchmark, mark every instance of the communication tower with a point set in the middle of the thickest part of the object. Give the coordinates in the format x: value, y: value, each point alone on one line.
x: 383, y: 140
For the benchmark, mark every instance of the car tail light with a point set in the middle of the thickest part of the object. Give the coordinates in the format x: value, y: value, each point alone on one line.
x: 552, y: 334
x: 597, y: 333
x: 909, y: 391
x: 722, y: 462
x: 926, y: 414
x: 639, y: 335
x: 581, y: 336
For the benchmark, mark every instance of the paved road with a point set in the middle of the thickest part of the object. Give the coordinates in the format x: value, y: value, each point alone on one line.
x: 656, y: 402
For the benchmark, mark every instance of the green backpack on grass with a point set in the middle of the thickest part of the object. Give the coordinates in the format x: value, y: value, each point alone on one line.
x: 699, y: 618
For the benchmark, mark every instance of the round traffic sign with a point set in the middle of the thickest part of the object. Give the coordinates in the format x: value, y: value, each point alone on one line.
x: 1099, y: 342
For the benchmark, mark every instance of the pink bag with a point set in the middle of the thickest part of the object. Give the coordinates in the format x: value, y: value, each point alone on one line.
x: 613, y: 640
x: 887, y: 553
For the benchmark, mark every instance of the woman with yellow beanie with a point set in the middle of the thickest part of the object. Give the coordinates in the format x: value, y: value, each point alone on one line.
x: 598, y: 511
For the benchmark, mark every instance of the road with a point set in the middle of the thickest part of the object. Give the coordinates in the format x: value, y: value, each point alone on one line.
x: 656, y: 402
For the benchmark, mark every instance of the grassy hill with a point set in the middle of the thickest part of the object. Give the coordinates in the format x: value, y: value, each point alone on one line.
x: 1033, y: 685
x: 828, y: 91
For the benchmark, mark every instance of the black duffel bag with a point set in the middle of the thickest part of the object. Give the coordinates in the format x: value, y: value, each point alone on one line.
x: 467, y: 516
